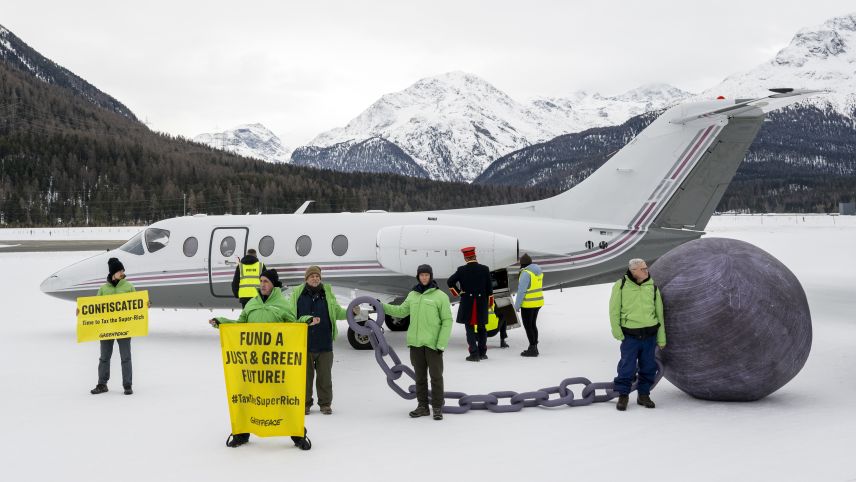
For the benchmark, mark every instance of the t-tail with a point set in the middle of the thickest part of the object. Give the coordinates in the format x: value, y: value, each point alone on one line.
x: 672, y: 175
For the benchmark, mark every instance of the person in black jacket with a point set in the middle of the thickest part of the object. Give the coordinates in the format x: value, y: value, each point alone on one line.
x: 245, y: 283
x: 472, y: 283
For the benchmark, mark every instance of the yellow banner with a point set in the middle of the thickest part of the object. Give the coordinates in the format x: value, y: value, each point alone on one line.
x: 112, y: 316
x: 265, y: 368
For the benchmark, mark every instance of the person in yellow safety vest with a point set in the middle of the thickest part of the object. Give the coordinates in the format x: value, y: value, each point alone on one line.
x: 245, y: 283
x: 492, y: 324
x: 530, y: 299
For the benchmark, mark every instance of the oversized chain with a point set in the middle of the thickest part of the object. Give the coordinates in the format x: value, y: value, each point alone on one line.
x: 491, y: 401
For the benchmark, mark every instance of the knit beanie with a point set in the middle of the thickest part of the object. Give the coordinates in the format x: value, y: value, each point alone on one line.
x: 114, y: 266
x: 312, y: 270
x: 273, y: 277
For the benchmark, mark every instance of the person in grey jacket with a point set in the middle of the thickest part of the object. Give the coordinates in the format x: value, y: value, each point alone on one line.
x: 529, y: 300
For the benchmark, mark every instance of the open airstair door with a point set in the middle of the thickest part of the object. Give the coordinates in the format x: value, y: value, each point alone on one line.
x: 226, y: 248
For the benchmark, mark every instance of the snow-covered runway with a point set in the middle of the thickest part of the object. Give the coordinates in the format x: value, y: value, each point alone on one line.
x: 175, y: 425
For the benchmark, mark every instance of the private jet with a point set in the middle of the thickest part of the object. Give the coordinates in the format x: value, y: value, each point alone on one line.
x: 658, y: 192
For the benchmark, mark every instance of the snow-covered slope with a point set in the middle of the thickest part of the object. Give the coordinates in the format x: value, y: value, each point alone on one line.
x: 177, y: 420
x: 248, y: 140
x: 455, y: 124
x: 374, y: 154
x: 583, y: 110
x: 821, y: 57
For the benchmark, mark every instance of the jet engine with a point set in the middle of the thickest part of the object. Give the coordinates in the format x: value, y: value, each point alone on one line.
x: 403, y: 248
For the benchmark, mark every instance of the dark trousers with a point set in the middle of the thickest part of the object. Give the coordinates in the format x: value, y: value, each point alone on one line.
x: 530, y: 317
x: 425, y: 361
x: 502, y: 329
x: 477, y: 340
x: 636, y: 353
x: 107, y: 353
x: 320, y: 364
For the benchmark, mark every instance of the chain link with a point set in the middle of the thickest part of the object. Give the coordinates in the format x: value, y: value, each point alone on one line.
x: 491, y: 401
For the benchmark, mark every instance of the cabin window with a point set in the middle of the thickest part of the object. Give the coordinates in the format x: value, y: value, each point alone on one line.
x: 227, y: 246
x: 134, y: 245
x: 303, y: 245
x: 340, y: 245
x: 191, y: 244
x: 156, y: 239
x: 266, y: 246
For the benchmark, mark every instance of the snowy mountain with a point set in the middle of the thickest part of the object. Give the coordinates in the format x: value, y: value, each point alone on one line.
x: 374, y: 154
x: 452, y: 125
x: 583, y: 110
x: 22, y: 57
x: 803, y: 159
x: 455, y: 124
x: 248, y: 140
x: 821, y: 57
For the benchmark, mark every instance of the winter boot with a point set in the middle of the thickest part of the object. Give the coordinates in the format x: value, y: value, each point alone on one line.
x: 237, y: 439
x: 421, y: 411
x: 622, y: 403
x: 100, y: 388
x: 645, y: 400
x: 307, y: 409
x: 532, y: 351
x: 503, y: 344
x: 326, y: 410
x: 438, y: 413
x: 128, y: 390
x: 473, y: 357
x: 483, y: 357
x: 303, y: 443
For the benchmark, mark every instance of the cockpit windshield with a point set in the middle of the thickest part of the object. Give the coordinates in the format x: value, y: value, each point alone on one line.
x: 134, y: 245
x: 156, y: 239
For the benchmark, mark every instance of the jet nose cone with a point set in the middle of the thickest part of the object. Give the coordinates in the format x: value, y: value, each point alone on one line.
x: 51, y: 284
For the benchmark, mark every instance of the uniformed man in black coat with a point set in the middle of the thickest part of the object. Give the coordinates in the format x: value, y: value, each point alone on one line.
x: 472, y: 283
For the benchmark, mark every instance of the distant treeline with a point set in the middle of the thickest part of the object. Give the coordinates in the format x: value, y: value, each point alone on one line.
x: 64, y: 160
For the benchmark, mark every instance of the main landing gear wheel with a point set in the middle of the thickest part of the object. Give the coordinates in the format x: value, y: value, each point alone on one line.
x: 359, y: 342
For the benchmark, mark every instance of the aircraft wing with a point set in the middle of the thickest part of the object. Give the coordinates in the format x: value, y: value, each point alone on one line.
x: 781, y: 98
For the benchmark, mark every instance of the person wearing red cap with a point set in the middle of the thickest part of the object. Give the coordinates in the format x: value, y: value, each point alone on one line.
x: 473, y: 284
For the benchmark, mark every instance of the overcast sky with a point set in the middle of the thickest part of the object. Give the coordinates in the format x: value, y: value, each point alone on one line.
x: 301, y: 68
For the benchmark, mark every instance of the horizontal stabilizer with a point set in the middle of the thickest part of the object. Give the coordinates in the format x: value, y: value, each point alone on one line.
x: 758, y: 106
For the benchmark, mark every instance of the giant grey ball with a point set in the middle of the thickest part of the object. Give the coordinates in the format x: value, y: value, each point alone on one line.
x: 738, y: 326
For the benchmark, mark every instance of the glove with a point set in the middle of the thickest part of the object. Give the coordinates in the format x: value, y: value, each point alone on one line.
x: 214, y: 323
x: 661, y: 346
x: 490, y: 300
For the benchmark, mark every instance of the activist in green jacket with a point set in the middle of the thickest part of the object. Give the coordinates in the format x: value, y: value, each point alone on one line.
x: 636, y: 318
x: 427, y: 336
x: 336, y: 311
x: 123, y: 286
x: 273, y: 308
x: 270, y: 306
x: 116, y: 284
x: 314, y: 298
x: 430, y: 317
x: 636, y: 305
